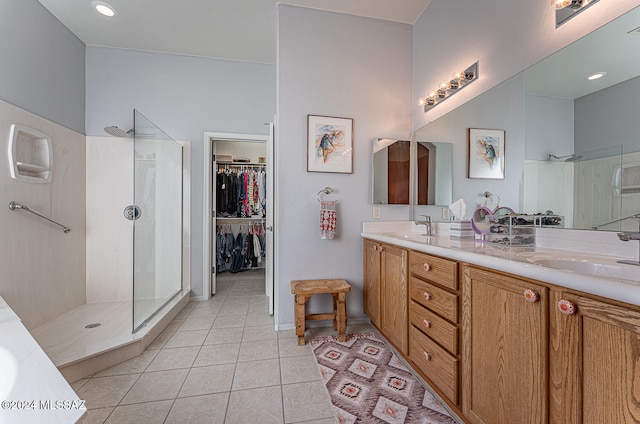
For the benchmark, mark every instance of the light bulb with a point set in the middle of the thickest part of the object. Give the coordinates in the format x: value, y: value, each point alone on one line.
x: 560, y: 4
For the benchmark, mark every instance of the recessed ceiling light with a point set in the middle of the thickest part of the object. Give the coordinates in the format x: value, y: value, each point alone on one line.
x: 596, y: 76
x: 104, y: 8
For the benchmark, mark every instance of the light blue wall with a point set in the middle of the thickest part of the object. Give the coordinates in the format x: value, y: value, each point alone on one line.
x: 617, y: 123
x: 548, y: 127
x: 42, y: 65
x: 345, y: 66
x: 506, y: 37
x: 185, y: 96
x: 502, y: 107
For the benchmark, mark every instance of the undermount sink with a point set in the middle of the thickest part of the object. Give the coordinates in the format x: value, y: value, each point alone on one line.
x: 423, y: 238
x: 601, y: 268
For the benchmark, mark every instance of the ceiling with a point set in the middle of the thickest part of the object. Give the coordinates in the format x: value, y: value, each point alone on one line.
x: 612, y: 48
x: 242, y: 30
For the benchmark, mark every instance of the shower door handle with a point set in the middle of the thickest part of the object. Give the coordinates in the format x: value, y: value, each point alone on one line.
x: 132, y: 212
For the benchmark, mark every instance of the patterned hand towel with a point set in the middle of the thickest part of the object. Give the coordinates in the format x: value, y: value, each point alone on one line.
x: 327, y: 219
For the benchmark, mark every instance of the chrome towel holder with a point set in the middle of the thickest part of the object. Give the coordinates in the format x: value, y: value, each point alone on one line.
x: 13, y: 205
x: 327, y: 190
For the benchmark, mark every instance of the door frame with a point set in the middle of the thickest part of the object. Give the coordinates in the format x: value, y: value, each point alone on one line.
x: 208, y: 198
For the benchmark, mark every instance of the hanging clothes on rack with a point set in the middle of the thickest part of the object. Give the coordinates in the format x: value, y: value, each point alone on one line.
x: 241, y: 191
x: 242, y: 250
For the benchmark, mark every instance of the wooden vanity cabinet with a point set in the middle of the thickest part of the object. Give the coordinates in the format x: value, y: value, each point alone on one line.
x: 498, y: 347
x: 504, y: 348
x: 386, y: 291
x: 434, y: 319
x: 372, y: 253
x: 594, y: 360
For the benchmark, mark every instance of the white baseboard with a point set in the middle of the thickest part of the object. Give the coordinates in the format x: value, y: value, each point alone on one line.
x: 197, y: 298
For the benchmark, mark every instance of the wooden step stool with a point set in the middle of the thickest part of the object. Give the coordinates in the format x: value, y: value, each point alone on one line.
x: 304, y: 289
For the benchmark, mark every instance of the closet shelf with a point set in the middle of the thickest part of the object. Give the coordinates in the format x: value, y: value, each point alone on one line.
x: 240, y: 164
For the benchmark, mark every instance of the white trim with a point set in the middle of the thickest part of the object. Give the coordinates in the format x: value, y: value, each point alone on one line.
x: 186, y: 214
x: 207, y: 205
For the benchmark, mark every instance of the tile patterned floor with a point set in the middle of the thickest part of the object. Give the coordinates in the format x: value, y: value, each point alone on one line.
x: 219, y: 361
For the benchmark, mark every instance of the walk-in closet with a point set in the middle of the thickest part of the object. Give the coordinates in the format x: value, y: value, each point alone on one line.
x: 240, y: 200
x: 240, y: 206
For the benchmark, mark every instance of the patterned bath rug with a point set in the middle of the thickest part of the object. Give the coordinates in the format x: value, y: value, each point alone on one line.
x: 368, y: 384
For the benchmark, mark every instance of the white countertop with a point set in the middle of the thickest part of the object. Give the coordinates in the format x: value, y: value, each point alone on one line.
x: 513, y: 260
x: 32, y: 390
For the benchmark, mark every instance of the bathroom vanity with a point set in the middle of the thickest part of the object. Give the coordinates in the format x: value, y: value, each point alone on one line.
x: 32, y: 390
x: 503, y: 338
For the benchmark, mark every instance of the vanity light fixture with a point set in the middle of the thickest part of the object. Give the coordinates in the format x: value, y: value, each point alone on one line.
x: 104, y: 8
x: 451, y: 87
x: 567, y: 9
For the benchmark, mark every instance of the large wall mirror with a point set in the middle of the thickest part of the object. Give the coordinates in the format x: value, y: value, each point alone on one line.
x: 582, y: 129
x: 572, y: 143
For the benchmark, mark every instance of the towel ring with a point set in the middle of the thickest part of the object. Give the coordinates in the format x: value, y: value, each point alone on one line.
x: 326, y: 190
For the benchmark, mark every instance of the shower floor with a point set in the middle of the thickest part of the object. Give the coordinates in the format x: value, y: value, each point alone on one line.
x: 66, y: 340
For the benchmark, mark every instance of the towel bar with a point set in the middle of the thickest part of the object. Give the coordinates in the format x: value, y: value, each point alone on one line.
x: 13, y: 205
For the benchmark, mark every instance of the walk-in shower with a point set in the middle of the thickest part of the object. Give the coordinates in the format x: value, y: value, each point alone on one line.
x: 133, y: 262
x: 157, y: 225
x: 156, y: 216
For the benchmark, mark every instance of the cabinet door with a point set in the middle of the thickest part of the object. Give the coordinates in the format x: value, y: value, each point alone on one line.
x: 594, y: 362
x: 504, y: 349
x: 393, y: 296
x: 372, y: 281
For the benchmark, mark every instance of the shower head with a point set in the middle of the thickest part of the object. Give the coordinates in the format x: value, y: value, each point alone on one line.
x: 573, y: 158
x: 117, y: 132
x: 567, y: 158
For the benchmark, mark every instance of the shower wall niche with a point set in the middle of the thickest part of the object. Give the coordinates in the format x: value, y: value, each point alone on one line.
x: 30, y: 155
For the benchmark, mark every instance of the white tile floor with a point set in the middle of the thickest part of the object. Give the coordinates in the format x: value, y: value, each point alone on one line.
x: 219, y: 361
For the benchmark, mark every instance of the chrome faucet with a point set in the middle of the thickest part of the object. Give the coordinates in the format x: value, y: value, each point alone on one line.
x: 426, y: 223
x: 629, y: 236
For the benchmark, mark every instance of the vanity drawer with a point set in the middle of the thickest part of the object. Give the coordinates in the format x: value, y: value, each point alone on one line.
x: 434, y: 298
x: 434, y: 362
x: 440, y: 330
x: 438, y: 270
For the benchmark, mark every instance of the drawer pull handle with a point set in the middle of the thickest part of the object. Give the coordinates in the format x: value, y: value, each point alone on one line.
x: 567, y: 307
x: 426, y: 323
x: 426, y: 267
x: 427, y: 296
x: 531, y: 296
x: 426, y: 355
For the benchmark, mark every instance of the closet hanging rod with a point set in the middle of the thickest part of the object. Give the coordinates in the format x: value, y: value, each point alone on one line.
x: 227, y: 220
x: 13, y: 205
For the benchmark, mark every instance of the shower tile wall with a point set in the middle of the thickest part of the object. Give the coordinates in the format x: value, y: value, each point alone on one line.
x: 109, y: 234
x: 43, y: 269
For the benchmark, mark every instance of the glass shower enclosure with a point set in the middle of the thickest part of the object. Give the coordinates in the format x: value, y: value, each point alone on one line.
x: 156, y: 214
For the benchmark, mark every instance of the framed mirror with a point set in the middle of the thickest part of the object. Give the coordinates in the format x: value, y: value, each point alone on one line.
x: 391, y: 171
